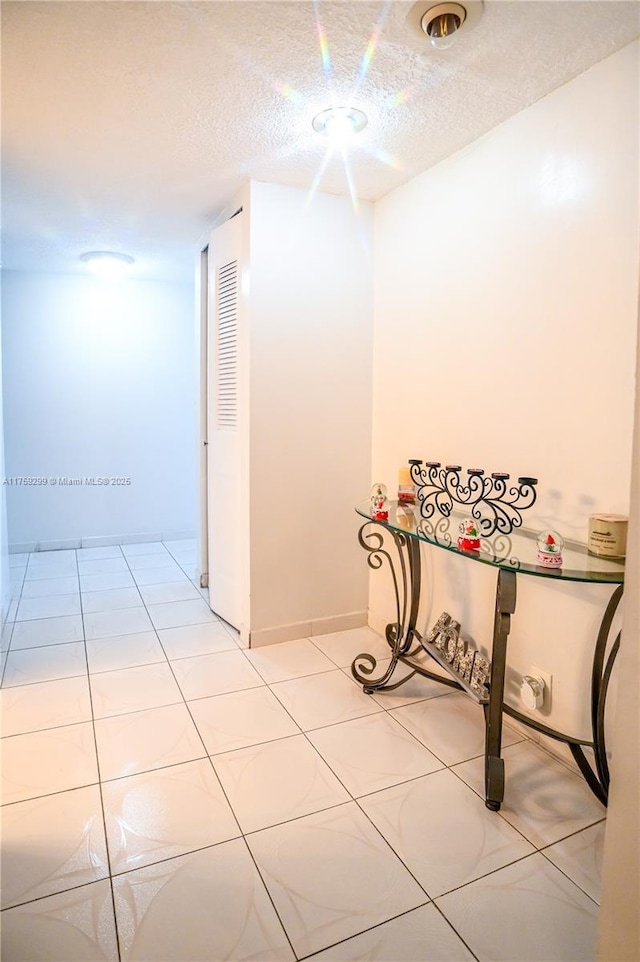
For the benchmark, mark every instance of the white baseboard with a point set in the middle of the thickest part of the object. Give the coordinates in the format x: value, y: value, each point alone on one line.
x: 326, y: 626
x: 100, y: 541
x: 304, y: 629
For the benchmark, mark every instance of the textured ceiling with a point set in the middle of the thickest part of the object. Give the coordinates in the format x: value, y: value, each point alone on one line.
x: 129, y: 125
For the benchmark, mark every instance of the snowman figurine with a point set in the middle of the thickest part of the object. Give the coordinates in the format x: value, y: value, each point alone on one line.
x: 379, y: 503
x: 469, y: 539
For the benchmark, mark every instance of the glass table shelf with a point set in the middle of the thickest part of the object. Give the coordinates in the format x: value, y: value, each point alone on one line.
x: 515, y: 551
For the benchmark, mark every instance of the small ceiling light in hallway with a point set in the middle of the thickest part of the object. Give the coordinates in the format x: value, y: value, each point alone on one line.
x: 108, y: 265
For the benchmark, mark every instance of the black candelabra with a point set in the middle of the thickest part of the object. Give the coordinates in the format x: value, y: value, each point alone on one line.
x: 492, y: 503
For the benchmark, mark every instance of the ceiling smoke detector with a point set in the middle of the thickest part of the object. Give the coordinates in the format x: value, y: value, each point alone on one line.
x: 442, y: 22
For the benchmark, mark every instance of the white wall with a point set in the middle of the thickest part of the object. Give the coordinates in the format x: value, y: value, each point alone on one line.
x: 506, y: 282
x: 5, y: 584
x: 310, y: 310
x: 619, y: 920
x: 100, y: 380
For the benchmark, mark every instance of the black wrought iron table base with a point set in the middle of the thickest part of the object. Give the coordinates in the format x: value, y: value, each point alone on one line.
x: 405, y: 643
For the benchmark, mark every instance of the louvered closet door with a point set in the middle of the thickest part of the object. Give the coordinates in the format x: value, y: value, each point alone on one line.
x: 223, y: 417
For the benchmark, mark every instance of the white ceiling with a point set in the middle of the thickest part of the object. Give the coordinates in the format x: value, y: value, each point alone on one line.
x: 130, y: 125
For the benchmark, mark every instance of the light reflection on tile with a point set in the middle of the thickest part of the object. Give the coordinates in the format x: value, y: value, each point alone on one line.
x: 74, y: 926
x: 218, y: 890
x: 51, y: 844
x: 164, y: 813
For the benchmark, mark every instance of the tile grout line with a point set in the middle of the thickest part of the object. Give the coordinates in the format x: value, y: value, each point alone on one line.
x: 562, y: 871
x: 104, y: 819
x: 13, y: 628
x: 379, y: 925
x: 454, y: 929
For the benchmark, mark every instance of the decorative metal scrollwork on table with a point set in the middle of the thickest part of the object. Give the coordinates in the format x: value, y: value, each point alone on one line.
x: 444, y: 532
x: 399, y: 633
x: 494, y: 505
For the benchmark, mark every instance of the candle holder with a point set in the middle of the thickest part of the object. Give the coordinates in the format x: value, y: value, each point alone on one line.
x: 494, y: 505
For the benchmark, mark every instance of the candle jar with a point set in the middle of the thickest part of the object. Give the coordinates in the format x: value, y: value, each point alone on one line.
x: 406, y: 487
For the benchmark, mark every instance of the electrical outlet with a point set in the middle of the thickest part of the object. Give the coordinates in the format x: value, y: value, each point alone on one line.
x: 547, y: 678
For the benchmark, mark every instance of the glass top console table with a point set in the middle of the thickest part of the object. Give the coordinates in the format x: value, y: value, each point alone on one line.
x: 512, y: 555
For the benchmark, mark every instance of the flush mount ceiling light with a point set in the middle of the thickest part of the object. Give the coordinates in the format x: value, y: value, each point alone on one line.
x: 339, y: 124
x: 107, y: 264
x: 443, y: 22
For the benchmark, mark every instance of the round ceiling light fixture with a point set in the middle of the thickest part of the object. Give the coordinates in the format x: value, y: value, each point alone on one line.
x: 339, y: 124
x: 442, y: 22
x: 107, y: 265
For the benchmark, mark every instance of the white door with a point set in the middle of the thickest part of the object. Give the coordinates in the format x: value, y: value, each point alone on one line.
x: 223, y: 418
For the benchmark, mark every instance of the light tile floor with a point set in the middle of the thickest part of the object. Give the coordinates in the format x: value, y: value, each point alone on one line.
x: 168, y: 795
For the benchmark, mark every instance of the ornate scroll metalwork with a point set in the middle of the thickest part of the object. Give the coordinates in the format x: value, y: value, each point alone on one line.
x: 605, y: 652
x: 494, y: 505
x: 401, y: 634
x: 439, y: 530
x: 398, y: 633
